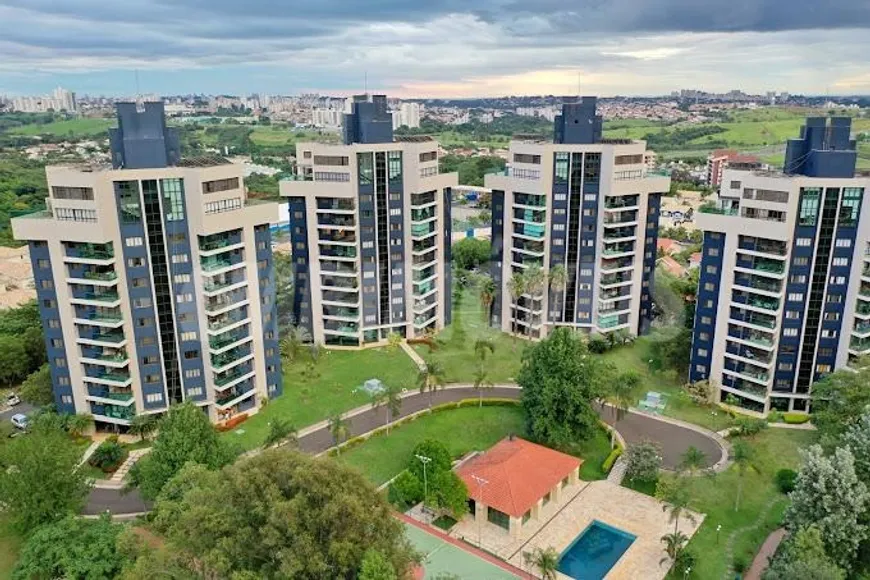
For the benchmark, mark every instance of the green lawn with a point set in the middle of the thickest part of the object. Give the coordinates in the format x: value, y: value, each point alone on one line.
x: 309, y: 399
x: 77, y: 128
x: 714, y: 496
x: 456, y: 345
x: 10, y: 545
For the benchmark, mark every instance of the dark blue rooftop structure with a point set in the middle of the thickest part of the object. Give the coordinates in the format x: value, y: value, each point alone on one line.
x: 142, y: 139
x: 369, y: 121
x: 579, y: 123
x: 823, y: 149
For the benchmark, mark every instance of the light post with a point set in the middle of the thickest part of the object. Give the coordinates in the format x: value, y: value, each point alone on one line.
x: 688, y: 571
x: 480, y: 483
x: 424, y: 460
x: 718, y: 529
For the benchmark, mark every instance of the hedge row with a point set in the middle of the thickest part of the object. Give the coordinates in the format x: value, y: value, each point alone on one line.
x: 795, y: 418
x: 611, y: 459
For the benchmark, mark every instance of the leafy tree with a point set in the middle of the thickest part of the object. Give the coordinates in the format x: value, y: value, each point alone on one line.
x: 487, y: 291
x: 293, y: 343
x: 71, y: 548
x: 430, y: 378
x: 185, y: 436
x: 339, y: 429
x: 545, y: 560
x: 693, y: 460
x: 376, y: 566
x: 280, y: 514
x: 37, y: 388
x: 741, y: 454
x: 283, y: 264
x: 470, y: 253
x: 516, y: 286
x: 643, y: 462
x: 481, y: 382
x: 674, y: 494
x: 829, y: 495
x: 839, y: 399
x: 280, y: 430
x: 802, y: 556
x: 39, y: 478
x: 674, y: 544
x: 436, y: 452
x: 560, y: 382
x: 76, y: 425
x: 24, y: 325
x: 143, y: 425
x: 14, y: 364
x: 857, y: 440
x: 406, y: 490
x: 597, y: 344
x: 558, y: 277
x: 786, y: 480
x: 394, y: 340
x: 108, y: 455
x: 448, y: 492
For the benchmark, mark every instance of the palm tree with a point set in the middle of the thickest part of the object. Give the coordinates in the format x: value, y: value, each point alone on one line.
x: 517, y: 287
x: 78, y: 424
x: 536, y: 280
x: 394, y: 340
x: 391, y: 398
x: 143, y: 426
x: 741, y: 455
x: 546, y: 561
x: 481, y: 382
x: 674, y: 543
x: 487, y: 290
x: 339, y: 429
x: 281, y: 430
x: 675, y: 496
x: 430, y: 378
x: 291, y: 344
x: 692, y: 460
x: 621, y: 398
x: 482, y: 346
x: 558, y: 283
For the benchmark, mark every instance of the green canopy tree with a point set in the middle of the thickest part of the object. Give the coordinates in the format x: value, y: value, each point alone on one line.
x: 839, y: 399
x: 37, y: 388
x: 560, y: 382
x: 280, y: 514
x: 802, y: 557
x: 185, y: 436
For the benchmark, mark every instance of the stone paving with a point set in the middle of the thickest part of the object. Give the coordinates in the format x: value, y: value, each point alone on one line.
x: 132, y: 458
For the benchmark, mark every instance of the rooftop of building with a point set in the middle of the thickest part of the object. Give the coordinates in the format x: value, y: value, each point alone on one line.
x: 518, y: 474
x: 412, y: 138
x: 203, y: 161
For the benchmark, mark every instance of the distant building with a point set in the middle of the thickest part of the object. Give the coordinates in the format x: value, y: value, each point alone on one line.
x: 326, y: 117
x: 407, y: 115
x: 154, y: 280
x: 722, y: 159
x: 60, y: 100
x: 784, y: 293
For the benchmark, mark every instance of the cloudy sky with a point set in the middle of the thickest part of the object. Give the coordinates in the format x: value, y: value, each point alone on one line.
x: 437, y: 48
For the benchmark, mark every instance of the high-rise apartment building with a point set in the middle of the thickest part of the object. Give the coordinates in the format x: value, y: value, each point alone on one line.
x: 370, y: 228
x: 784, y: 294
x: 587, y: 204
x: 154, y: 280
x: 721, y: 159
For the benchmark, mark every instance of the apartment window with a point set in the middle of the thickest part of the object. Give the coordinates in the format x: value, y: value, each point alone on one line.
x: 222, y: 205
x: 703, y: 336
x: 138, y: 282
x: 46, y: 284
x: 804, y: 242
x: 792, y: 314
x: 43, y: 264
x: 832, y: 316
x: 428, y: 156
x: 143, y: 302
x: 152, y: 378
x: 628, y: 159
x: 154, y: 398
x: 590, y: 197
x: 560, y: 197
x: 790, y: 332
x: 53, y: 323
x: 135, y: 262
x: 796, y: 297
x: 561, y: 170
x: 64, y: 382
x: 194, y: 391
x: 144, y: 322
x: 835, y: 298
x: 49, y: 303
x: 173, y: 198
x: 798, y: 279
x: 713, y: 252
x: 850, y: 206
x: 558, y: 242
x: 840, y: 262
x: 66, y: 214
x: 191, y: 354
x: 702, y: 352
x: 829, y: 333
x: 365, y: 168
x: 826, y: 352
x: 181, y: 279
x: 706, y: 320
x: 219, y: 185
x: 332, y: 160
x: 701, y: 368
x: 838, y: 280
x: 709, y: 286
x: 188, y: 336
x: 823, y: 368
x: 843, y: 243
x: 75, y: 193
x: 133, y: 242
x: 397, y: 301
x: 786, y: 366
x: 527, y: 158
x: 712, y: 269
x: 708, y: 304
x: 182, y: 298
x: 394, y: 165
x: 801, y: 261
x: 180, y: 258
x: 60, y: 362
x: 809, y: 206
x: 147, y: 341
x: 585, y: 271
x: 56, y: 343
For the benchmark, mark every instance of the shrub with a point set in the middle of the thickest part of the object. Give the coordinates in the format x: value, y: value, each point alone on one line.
x: 108, y: 456
x: 774, y: 416
x: 611, y: 459
x: 598, y: 344
x: 405, y: 491
x: 785, y: 480
x: 795, y: 418
x: 747, y: 426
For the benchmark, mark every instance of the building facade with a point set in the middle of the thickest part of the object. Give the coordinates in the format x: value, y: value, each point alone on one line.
x: 587, y: 204
x: 154, y: 279
x: 721, y: 159
x: 784, y: 293
x: 370, y: 228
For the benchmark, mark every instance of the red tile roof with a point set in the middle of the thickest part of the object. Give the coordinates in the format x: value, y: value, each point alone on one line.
x: 669, y: 246
x: 672, y: 266
x: 518, y: 472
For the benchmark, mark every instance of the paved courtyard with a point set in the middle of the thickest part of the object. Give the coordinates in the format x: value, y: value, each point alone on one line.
x: 561, y: 522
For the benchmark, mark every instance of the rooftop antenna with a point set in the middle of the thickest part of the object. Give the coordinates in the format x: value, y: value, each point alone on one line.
x: 366, y: 82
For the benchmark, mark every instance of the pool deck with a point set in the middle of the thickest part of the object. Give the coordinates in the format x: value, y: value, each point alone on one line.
x: 560, y: 523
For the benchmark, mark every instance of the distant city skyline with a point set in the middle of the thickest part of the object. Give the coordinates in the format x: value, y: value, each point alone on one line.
x: 437, y: 49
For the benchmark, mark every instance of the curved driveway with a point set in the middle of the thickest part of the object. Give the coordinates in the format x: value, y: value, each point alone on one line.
x: 674, y: 439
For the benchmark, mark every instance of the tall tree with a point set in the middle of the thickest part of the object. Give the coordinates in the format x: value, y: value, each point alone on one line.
x: 14, y: 363
x: 516, y: 286
x: 293, y: 343
x: 674, y: 543
x: 802, y: 556
x: 487, y: 291
x: 643, y: 461
x: 558, y: 281
x: 39, y: 478
x: 545, y: 560
x: 560, y: 382
x: 391, y: 399
x: 143, y: 426
x: 339, y: 429
x: 693, y: 460
x: 430, y: 378
x: 376, y: 566
x: 742, y: 455
x: 37, y: 388
x: 483, y: 347
x: 829, y: 495
x: 281, y: 430
x: 622, y: 396
x: 280, y: 514
x: 185, y: 436
x: 481, y: 382
x: 72, y: 548
x: 857, y: 440
x: 675, y: 497
x: 839, y: 400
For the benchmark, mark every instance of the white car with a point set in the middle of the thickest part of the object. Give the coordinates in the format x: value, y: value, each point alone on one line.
x: 19, y: 420
x: 12, y: 399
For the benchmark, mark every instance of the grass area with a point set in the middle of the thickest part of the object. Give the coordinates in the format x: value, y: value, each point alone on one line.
x: 384, y: 456
x: 333, y: 388
x: 714, y: 496
x: 456, y: 345
x: 593, y: 452
x: 10, y: 545
x: 679, y: 404
x: 74, y: 128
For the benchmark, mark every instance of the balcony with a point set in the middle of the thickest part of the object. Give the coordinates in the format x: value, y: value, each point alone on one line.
x: 620, y: 233
x: 218, y: 243
x: 101, y: 297
x: 620, y: 264
x: 334, y: 204
x: 92, y: 277
x: 110, y: 317
x: 339, y: 282
x: 616, y: 279
x: 110, y: 397
x: 530, y: 200
x: 614, y: 294
x: 423, y: 230
x: 111, y: 413
x: 231, y: 356
x: 337, y: 267
x: 749, y: 353
x: 620, y: 217
x: 340, y: 297
x: 425, y: 259
x: 762, y: 246
x: 530, y: 231
x: 862, y: 309
x: 226, y: 320
x: 222, y: 282
x: 526, y: 261
x: 227, y: 378
x: 747, y: 388
x: 87, y: 253
x: 861, y: 327
x: 765, y: 265
x: 864, y: 291
x: 749, y: 372
x: 418, y: 199
x: 757, y: 283
x: 621, y: 202
x: 753, y: 318
x: 753, y: 336
x: 741, y: 297
x: 859, y: 344
x: 421, y: 275
x: 615, y: 249
x: 339, y: 312
x: 422, y: 246
x: 329, y: 220
x: 336, y: 236
x: 111, y: 338
x: 421, y: 289
x: 340, y: 252
x: 234, y: 396
x: 422, y: 215
x: 529, y: 247
x: 530, y: 216
x: 612, y: 321
x: 226, y: 339
x: 216, y: 306
x: 108, y: 377
x: 714, y: 208
x: 341, y: 327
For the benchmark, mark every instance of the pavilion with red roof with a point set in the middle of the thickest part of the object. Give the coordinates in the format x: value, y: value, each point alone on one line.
x: 510, y: 483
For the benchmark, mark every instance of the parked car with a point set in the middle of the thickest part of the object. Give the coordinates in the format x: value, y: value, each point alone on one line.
x: 12, y: 399
x: 19, y: 420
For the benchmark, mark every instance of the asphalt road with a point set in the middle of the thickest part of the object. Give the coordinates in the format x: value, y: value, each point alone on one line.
x: 22, y: 407
x: 634, y: 428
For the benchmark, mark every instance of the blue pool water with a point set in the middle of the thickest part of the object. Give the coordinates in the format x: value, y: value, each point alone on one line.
x: 594, y: 552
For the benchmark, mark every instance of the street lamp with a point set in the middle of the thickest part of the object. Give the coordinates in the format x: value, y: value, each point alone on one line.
x: 424, y: 460
x: 480, y: 483
x: 688, y: 571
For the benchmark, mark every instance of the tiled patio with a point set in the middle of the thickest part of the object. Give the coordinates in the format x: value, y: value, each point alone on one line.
x: 561, y: 522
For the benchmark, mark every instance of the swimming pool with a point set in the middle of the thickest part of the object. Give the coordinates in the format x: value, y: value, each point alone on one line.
x: 594, y: 552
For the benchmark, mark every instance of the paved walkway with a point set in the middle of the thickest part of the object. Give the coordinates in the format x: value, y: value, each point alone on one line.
x: 88, y: 452
x: 673, y: 436
x: 765, y: 553
x: 732, y: 537
x: 409, y: 350
x: 617, y: 471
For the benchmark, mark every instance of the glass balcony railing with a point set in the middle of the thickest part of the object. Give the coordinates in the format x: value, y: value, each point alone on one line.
x: 346, y: 327
x: 212, y: 264
x: 109, y: 376
x: 98, y: 296
x: 220, y: 341
x: 862, y: 327
x: 211, y: 244
x: 612, y: 202
x: 859, y: 344
x: 712, y: 207
x: 765, y: 304
x: 747, y: 387
x: 612, y: 249
x: 116, y: 412
x: 419, y: 230
x: 223, y: 359
x: 227, y: 320
x: 421, y: 275
x: 863, y: 308
x: 529, y: 215
x: 616, y: 234
x: 530, y: 200
x: 344, y: 221
x: 340, y: 312
x: 609, y: 279
x: 423, y: 198
x: 337, y: 252
x: 616, y: 264
x: 339, y: 282
x: 419, y: 215
x: 423, y: 245
x: 99, y: 316
x: 621, y: 217
x: 101, y: 276
x: 530, y: 231
x: 326, y: 203
x: 91, y: 251
x: 764, y: 265
x: 228, y: 377
x: 105, y: 393
x: 110, y: 337
x: 117, y: 357
x: 343, y: 268
x: 233, y: 394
